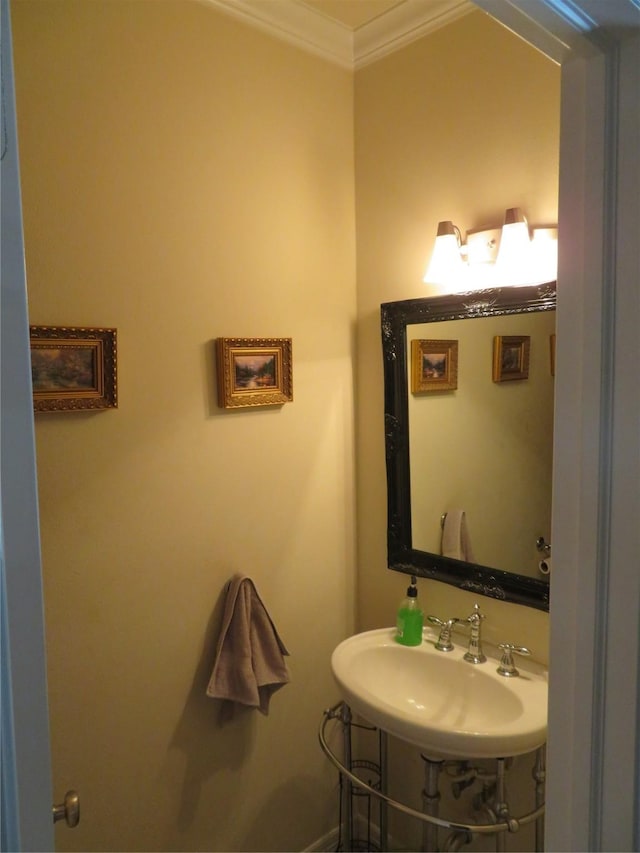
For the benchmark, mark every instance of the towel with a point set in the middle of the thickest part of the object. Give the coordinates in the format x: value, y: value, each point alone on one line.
x: 249, y: 665
x: 455, y: 536
x: 545, y: 566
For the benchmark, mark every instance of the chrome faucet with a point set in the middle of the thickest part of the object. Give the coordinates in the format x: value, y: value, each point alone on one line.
x: 475, y: 653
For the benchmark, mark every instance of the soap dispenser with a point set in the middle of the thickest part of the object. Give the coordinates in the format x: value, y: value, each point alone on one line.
x: 410, y: 618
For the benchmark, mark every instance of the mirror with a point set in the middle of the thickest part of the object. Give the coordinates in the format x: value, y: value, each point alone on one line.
x: 483, y: 446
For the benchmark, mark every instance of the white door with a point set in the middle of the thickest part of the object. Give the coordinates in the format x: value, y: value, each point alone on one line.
x: 26, y: 764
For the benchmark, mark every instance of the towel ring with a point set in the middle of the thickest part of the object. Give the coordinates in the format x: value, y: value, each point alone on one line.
x: 443, y: 518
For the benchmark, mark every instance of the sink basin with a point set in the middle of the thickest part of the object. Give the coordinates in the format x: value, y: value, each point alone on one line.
x: 439, y: 702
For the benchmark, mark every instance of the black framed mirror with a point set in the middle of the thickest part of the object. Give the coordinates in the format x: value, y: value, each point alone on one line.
x: 412, y: 550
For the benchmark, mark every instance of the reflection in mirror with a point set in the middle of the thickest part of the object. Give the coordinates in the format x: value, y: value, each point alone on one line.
x: 487, y: 444
x: 483, y: 445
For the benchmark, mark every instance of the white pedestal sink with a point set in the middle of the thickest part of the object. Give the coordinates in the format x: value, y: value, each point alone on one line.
x: 447, y: 707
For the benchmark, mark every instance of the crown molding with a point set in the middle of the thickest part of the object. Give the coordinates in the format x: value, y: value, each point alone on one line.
x: 402, y: 25
x: 296, y: 24
x: 314, y: 32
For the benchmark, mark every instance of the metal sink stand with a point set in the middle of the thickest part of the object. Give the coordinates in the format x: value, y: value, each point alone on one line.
x: 351, y: 792
x: 460, y: 833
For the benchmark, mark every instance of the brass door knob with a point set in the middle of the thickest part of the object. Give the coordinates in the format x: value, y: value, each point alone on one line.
x: 69, y: 810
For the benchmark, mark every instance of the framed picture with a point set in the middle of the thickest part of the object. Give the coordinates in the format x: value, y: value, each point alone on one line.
x: 254, y: 372
x: 73, y: 369
x: 434, y: 366
x: 510, y: 357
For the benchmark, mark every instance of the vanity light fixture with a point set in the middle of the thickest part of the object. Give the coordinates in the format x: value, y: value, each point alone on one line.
x: 510, y: 256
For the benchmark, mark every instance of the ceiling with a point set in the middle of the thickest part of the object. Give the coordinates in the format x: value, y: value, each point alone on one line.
x: 351, y: 33
x: 351, y: 13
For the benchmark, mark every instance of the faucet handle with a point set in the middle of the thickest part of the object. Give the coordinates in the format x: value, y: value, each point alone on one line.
x: 507, y: 667
x: 444, y: 643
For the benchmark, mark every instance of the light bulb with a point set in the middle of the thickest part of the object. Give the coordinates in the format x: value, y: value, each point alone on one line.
x: 446, y: 267
x: 514, y: 261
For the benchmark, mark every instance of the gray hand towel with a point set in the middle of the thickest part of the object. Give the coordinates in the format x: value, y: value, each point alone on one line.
x: 249, y: 665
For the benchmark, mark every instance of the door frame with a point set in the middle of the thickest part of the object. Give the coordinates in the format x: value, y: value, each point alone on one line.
x: 594, y: 709
x: 26, y: 759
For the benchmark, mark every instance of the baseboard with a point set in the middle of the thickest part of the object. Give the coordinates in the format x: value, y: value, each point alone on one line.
x: 329, y: 842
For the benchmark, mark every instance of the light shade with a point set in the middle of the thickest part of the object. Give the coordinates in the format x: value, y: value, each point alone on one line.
x: 446, y: 264
x: 514, y: 255
x: 544, y: 247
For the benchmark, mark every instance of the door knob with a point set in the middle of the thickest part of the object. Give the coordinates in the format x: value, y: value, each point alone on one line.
x: 69, y: 810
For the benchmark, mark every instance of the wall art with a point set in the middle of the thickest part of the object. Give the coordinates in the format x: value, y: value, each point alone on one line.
x: 434, y: 366
x: 254, y: 372
x: 510, y: 357
x: 73, y: 368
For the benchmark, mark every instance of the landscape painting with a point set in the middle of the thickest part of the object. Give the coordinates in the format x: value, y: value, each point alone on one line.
x: 434, y: 366
x: 254, y: 372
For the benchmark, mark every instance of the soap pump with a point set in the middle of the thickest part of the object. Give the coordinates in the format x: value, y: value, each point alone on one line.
x: 410, y: 618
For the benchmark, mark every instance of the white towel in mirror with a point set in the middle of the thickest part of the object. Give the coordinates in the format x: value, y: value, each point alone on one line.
x: 456, y: 542
x: 545, y: 566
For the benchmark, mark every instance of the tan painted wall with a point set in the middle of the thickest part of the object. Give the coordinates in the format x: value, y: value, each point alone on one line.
x: 185, y: 177
x: 460, y: 125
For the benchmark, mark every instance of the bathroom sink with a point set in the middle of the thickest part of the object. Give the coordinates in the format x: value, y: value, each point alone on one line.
x: 439, y: 702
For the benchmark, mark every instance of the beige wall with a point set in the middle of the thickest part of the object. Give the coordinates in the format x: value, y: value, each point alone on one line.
x: 460, y: 125
x: 184, y: 178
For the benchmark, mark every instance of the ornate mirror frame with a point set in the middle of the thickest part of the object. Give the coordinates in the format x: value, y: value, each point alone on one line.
x: 401, y: 556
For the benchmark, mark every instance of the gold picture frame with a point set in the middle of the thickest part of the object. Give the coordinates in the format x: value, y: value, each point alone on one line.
x: 254, y: 372
x: 511, y: 357
x: 434, y: 366
x: 73, y: 368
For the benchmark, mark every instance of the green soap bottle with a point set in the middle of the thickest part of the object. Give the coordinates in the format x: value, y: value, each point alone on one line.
x: 410, y: 618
